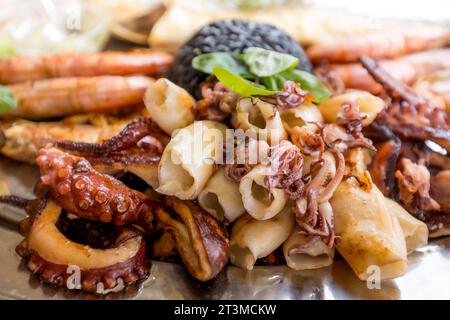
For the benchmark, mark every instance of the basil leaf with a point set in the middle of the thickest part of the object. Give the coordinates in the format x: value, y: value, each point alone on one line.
x: 240, y: 85
x: 275, y: 82
x: 7, y: 99
x: 264, y: 63
x: 308, y: 82
x: 207, y: 61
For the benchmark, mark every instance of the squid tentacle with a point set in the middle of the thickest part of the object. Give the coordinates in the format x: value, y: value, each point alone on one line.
x: 128, y: 137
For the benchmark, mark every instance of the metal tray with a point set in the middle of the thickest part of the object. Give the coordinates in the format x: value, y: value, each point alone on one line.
x: 428, y: 274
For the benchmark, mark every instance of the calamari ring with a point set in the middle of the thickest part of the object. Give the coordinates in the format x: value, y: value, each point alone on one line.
x: 49, y: 255
x: 200, y: 240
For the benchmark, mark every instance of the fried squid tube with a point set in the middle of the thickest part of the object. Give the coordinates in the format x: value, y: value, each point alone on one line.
x: 368, y: 104
x: 304, y: 115
x: 415, y: 231
x: 260, y: 117
x: 367, y: 233
x: 188, y: 160
x: 259, y: 202
x: 169, y: 105
x: 221, y: 198
x: 253, y: 239
x: 303, y: 252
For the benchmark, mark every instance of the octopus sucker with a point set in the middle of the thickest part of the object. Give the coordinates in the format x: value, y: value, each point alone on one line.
x: 90, y: 194
x: 199, y: 239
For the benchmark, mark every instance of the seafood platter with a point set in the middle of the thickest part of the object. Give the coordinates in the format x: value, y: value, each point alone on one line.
x: 254, y: 152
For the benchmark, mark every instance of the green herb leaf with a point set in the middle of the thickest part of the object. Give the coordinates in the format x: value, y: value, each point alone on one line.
x: 207, y: 61
x: 240, y: 85
x: 264, y: 63
x: 7, y: 99
x: 275, y: 82
x: 308, y: 82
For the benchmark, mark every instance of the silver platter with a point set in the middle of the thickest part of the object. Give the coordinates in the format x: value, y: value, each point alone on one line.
x: 428, y: 274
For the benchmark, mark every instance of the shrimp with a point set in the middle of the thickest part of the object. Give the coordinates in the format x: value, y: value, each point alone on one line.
x: 63, y: 96
x: 405, y: 69
x: 19, y: 69
x: 22, y: 139
x: 385, y: 44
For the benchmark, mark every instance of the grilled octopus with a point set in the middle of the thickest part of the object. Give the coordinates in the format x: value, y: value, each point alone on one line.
x: 70, y: 185
x: 409, y: 115
x: 405, y: 168
x: 136, y: 149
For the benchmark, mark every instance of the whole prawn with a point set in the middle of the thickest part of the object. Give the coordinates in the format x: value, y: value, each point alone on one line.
x: 385, y: 44
x: 405, y: 69
x: 19, y: 69
x: 64, y: 96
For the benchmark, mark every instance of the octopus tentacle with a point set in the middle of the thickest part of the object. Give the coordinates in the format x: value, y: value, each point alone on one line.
x: 31, y: 207
x: 394, y: 88
x: 55, y: 258
x: 200, y: 240
x: 132, y: 150
x: 409, y: 115
x: 128, y: 137
x: 198, y: 237
x: 384, y: 163
x: 81, y: 190
x: 15, y: 201
x: 383, y: 166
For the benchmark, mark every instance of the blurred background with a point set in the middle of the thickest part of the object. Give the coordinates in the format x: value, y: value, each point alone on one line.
x: 33, y: 27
